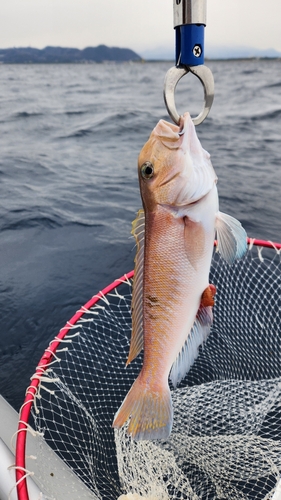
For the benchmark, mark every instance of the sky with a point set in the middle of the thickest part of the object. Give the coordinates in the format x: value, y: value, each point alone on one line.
x: 142, y: 25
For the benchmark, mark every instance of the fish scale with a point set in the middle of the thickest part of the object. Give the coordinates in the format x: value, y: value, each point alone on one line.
x: 171, y: 279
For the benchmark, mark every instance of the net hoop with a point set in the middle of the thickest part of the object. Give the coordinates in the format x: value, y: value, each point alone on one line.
x: 49, y: 354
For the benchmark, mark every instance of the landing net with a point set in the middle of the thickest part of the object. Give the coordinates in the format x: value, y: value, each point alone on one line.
x: 226, y: 437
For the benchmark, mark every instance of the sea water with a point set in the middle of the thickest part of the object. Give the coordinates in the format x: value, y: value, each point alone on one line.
x: 69, y: 141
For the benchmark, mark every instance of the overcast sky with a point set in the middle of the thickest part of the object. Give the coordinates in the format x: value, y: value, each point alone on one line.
x: 137, y: 24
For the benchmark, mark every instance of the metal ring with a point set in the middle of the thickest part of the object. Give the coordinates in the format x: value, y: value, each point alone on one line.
x: 172, y: 78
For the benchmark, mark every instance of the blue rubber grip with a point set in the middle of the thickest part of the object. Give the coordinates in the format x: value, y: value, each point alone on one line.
x: 188, y: 38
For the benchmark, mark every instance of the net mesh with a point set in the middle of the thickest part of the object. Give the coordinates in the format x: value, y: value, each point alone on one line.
x: 226, y: 437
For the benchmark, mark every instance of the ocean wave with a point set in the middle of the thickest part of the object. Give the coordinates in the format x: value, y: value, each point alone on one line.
x: 27, y: 114
x: 28, y: 222
x: 22, y: 219
x: 79, y: 112
x: 250, y: 71
x: 269, y: 115
x: 115, y: 124
x: 82, y: 132
x: 273, y: 85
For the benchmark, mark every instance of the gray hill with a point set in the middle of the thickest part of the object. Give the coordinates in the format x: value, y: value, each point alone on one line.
x: 240, y: 53
x: 214, y: 52
x: 29, y: 55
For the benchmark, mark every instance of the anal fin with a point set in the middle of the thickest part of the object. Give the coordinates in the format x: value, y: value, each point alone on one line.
x: 196, y: 337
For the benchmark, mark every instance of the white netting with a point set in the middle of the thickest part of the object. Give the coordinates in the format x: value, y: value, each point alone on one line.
x: 226, y: 437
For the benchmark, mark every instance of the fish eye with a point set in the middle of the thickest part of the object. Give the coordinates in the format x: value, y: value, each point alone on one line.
x: 147, y: 170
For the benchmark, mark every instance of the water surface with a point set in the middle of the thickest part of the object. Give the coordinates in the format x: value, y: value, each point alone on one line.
x: 69, y: 140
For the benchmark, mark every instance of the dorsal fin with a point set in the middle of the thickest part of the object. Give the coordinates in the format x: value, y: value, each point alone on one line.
x: 138, y: 229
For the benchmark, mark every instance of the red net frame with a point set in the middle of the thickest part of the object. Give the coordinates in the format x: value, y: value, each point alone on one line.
x: 22, y: 489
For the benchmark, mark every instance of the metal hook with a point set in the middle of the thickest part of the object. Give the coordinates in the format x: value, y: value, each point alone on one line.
x: 172, y: 78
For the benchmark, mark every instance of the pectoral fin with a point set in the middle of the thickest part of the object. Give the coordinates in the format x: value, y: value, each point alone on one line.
x: 231, y: 236
x: 194, y: 240
x: 197, y: 335
x: 138, y: 228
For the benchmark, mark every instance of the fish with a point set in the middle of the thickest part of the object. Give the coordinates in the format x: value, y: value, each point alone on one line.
x: 172, y: 299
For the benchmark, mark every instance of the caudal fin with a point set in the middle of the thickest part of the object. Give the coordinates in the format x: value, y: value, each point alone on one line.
x: 150, y: 410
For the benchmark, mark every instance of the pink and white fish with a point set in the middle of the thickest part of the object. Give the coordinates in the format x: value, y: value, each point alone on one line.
x: 172, y: 300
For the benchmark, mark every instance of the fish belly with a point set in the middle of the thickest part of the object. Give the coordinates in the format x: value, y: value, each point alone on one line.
x: 177, y: 261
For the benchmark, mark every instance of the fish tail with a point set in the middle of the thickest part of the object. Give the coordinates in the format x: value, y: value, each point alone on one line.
x: 150, y: 410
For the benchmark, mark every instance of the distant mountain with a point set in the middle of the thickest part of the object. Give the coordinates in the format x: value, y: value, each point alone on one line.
x: 28, y: 55
x: 212, y: 52
x: 239, y: 53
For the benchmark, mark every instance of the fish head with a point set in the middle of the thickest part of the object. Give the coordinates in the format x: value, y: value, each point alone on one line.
x: 174, y: 169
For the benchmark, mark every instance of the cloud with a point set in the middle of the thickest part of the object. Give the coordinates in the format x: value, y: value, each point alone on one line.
x: 140, y: 25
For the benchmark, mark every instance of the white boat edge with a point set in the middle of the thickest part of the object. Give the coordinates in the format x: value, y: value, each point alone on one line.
x: 59, y: 481
x: 7, y: 477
